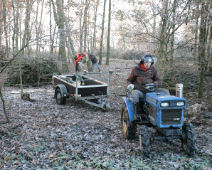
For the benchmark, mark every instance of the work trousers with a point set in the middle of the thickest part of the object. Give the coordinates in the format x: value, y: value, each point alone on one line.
x: 96, y: 65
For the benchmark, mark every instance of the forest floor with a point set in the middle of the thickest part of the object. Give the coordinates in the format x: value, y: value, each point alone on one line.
x: 44, y: 135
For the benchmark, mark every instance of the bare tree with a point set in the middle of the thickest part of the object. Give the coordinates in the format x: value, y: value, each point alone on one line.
x: 162, y: 50
x: 38, y: 27
x: 52, y: 34
x: 85, y: 24
x: 4, y: 109
x: 81, y: 27
x: 173, y: 35
x: 1, y: 23
x: 26, y: 36
x: 208, y: 48
x: 196, y: 32
x: 15, y: 26
x: 202, y: 44
x: 94, y: 25
x: 1, y: 72
x: 102, y: 34
x: 108, y: 36
x: 5, y: 27
x: 60, y: 21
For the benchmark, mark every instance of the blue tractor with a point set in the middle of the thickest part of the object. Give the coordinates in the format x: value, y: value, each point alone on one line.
x: 162, y: 112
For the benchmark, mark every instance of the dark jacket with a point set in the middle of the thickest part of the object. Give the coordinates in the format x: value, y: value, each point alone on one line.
x: 93, y: 58
x: 139, y: 77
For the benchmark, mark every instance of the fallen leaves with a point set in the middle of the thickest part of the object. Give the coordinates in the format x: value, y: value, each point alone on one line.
x: 44, y: 135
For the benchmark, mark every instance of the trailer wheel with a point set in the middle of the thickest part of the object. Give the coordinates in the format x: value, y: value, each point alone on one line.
x: 144, y: 141
x: 128, y: 128
x: 59, y: 99
x: 188, y: 139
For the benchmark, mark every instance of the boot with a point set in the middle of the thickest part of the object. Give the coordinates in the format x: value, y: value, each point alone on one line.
x: 136, y: 107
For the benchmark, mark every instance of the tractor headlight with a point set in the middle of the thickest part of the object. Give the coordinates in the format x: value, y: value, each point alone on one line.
x: 180, y: 103
x: 164, y: 104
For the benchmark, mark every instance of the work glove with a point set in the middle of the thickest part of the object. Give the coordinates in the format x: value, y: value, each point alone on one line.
x: 130, y: 87
x: 150, y: 84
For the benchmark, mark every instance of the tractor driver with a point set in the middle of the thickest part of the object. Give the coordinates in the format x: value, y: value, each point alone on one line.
x: 141, y: 75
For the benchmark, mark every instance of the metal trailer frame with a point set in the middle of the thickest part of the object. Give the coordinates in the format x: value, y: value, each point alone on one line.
x: 92, y: 92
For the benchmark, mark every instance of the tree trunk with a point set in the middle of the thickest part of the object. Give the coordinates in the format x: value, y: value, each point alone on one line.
x: 50, y: 30
x: 17, y: 28
x: 14, y: 29
x: 108, y: 36
x: 59, y: 19
x: 154, y: 27
x: 85, y: 25
x: 208, y: 49
x: 20, y: 71
x: 94, y: 33
x: 1, y: 71
x: 70, y: 44
x: 172, y: 39
x: 102, y: 35
x: 211, y: 100
x: 38, y: 27
x: 61, y: 30
x: 52, y: 34
x: 2, y: 99
x: 201, y: 48
x: 81, y: 29
x: 173, y: 34
x: 25, y: 38
x: 5, y: 27
x: 196, y: 34
x: 1, y: 24
x: 162, y: 39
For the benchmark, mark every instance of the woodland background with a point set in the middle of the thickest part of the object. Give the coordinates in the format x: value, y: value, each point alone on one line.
x: 40, y: 38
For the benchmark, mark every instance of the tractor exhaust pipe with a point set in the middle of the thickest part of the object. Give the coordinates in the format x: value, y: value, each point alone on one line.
x: 179, y: 90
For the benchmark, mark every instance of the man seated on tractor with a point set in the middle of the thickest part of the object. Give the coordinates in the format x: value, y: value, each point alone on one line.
x: 144, y: 74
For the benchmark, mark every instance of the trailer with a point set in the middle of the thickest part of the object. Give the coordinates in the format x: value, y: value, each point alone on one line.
x: 82, y: 88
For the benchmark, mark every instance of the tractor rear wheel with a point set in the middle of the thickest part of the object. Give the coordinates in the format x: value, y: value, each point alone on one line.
x: 144, y: 140
x: 59, y: 98
x: 188, y: 139
x: 128, y: 128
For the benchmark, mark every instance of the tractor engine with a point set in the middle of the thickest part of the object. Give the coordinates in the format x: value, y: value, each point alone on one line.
x: 165, y: 111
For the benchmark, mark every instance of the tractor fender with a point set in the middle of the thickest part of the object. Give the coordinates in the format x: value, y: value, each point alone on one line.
x: 63, y: 90
x: 129, y: 108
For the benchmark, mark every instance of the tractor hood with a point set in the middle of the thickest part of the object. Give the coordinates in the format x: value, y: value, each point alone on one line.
x: 162, y: 101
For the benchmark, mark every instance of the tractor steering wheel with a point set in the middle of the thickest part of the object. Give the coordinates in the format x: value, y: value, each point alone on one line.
x: 151, y: 87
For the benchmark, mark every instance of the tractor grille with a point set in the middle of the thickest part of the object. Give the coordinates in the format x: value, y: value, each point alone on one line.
x: 171, y: 117
x: 151, y: 111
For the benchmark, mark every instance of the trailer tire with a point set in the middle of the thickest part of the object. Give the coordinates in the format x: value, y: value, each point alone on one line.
x: 128, y: 128
x: 144, y: 141
x: 59, y: 98
x: 188, y: 139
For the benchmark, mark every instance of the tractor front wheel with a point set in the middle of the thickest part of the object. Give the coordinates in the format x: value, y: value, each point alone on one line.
x: 59, y: 98
x: 128, y: 128
x: 144, y: 140
x: 188, y: 139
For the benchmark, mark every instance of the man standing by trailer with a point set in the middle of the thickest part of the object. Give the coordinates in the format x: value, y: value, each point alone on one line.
x: 78, y: 58
x: 94, y: 61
